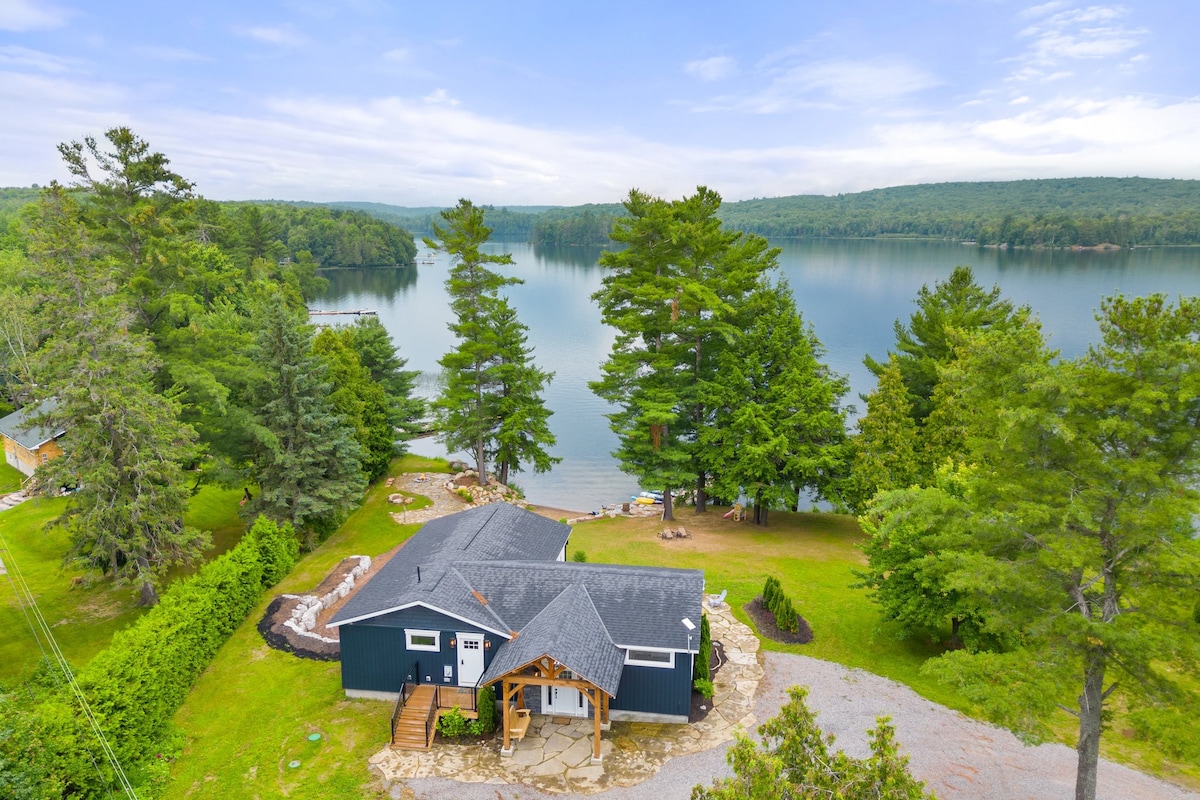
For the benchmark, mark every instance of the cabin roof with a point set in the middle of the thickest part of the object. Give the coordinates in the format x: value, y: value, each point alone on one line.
x: 568, y: 630
x: 419, y: 571
x: 16, y: 426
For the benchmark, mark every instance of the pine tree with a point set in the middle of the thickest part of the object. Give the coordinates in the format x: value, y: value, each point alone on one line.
x: 524, y: 432
x: 673, y: 294
x: 307, y: 460
x: 472, y: 410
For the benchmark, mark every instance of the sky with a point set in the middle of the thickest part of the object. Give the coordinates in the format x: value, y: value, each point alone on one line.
x: 562, y: 103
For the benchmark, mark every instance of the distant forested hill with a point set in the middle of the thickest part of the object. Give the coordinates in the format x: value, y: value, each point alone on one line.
x: 1063, y: 212
x: 1047, y: 213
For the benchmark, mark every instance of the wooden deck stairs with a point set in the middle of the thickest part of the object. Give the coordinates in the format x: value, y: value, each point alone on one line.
x: 410, y: 732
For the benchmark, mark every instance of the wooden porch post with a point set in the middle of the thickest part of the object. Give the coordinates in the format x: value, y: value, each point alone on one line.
x: 596, y: 733
x: 507, y: 718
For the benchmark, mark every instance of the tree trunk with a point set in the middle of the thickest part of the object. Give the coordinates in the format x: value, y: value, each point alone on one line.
x: 480, y: 462
x: 504, y: 473
x: 149, y: 595
x: 955, y: 642
x: 701, y: 495
x: 668, y: 506
x: 760, y: 511
x: 1091, y: 704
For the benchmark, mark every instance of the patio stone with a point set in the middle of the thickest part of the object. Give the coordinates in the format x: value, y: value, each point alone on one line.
x: 555, y: 757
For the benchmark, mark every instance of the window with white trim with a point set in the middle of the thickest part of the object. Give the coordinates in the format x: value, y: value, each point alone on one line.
x: 423, y: 640
x: 650, y: 658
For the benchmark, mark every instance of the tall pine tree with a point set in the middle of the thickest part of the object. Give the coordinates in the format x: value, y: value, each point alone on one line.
x: 491, y: 401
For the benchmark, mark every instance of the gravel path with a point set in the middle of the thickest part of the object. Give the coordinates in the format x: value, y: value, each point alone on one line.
x: 958, y: 758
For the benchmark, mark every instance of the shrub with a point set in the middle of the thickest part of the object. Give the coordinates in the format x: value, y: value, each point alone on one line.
x: 453, y: 724
x: 579, y: 556
x: 464, y: 494
x: 701, y: 667
x: 1196, y: 613
x: 705, y: 687
x: 487, y: 710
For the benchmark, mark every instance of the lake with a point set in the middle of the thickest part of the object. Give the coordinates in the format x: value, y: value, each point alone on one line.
x: 851, y: 292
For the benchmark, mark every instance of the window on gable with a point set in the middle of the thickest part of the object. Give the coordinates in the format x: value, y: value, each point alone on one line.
x: 650, y: 658
x: 422, y: 640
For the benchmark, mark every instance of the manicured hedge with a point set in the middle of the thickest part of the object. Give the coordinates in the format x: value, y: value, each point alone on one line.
x: 137, y: 683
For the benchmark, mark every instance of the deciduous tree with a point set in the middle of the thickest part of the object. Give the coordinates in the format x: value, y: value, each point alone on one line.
x: 1083, y: 498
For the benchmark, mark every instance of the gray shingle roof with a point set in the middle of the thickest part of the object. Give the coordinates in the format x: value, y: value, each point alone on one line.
x: 494, y: 531
x: 640, y: 606
x: 570, y: 631
x: 16, y: 426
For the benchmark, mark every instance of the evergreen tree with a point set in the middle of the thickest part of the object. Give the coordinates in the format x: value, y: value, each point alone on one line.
x: 124, y: 450
x: 778, y: 426
x: 926, y: 343
x: 795, y: 760
x: 307, y: 460
x: 473, y: 409
x: 378, y: 354
x: 524, y: 432
x: 672, y: 293
x: 357, y: 399
x: 885, y: 449
x: 1082, y: 498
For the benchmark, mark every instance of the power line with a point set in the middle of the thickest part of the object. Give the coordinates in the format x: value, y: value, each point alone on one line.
x: 38, y: 625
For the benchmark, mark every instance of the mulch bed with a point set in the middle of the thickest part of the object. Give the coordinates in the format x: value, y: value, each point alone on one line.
x: 700, y: 704
x: 764, y: 622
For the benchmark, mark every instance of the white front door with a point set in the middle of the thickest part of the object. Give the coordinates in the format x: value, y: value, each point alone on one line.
x: 470, y: 658
x: 564, y: 700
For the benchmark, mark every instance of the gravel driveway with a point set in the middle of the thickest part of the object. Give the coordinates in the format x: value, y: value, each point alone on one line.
x: 958, y: 758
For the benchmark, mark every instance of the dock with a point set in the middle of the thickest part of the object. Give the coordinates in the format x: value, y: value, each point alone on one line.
x: 358, y: 312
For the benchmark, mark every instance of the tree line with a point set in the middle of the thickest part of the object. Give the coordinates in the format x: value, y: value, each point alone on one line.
x: 1068, y: 212
x: 1037, y: 513
x: 148, y: 325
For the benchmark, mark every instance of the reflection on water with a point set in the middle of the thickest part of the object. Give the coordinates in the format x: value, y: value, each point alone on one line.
x: 850, y: 291
x: 382, y: 282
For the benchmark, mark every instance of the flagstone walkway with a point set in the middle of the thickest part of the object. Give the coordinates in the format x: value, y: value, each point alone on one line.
x: 556, y: 756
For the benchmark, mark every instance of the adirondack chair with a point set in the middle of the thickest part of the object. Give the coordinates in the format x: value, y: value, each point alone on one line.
x: 717, y: 600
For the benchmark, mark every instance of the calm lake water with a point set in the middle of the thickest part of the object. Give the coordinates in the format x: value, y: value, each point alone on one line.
x: 851, y: 292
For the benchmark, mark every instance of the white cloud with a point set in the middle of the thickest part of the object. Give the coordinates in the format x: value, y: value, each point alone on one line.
x: 440, y: 97
x: 397, y: 54
x: 19, y: 57
x: 711, y: 69
x: 23, y: 15
x: 1061, y: 34
x: 169, y: 54
x: 279, y: 35
x: 834, y: 84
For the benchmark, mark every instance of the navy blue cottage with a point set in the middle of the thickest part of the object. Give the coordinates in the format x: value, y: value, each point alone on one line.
x: 485, y: 597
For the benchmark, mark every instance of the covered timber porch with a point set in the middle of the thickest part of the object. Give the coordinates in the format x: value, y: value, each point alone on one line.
x: 546, y: 671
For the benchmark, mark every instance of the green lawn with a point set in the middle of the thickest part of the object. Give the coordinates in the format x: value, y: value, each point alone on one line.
x: 10, y: 478
x: 83, y: 615
x: 251, y: 712
x: 248, y: 716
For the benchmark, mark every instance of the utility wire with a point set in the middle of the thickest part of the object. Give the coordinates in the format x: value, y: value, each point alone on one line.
x: 28, y: 603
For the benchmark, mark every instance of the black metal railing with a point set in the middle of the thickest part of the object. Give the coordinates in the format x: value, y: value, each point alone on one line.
x: 405, y: 692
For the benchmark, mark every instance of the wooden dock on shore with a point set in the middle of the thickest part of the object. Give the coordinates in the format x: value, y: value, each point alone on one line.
x: 358, y: 312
